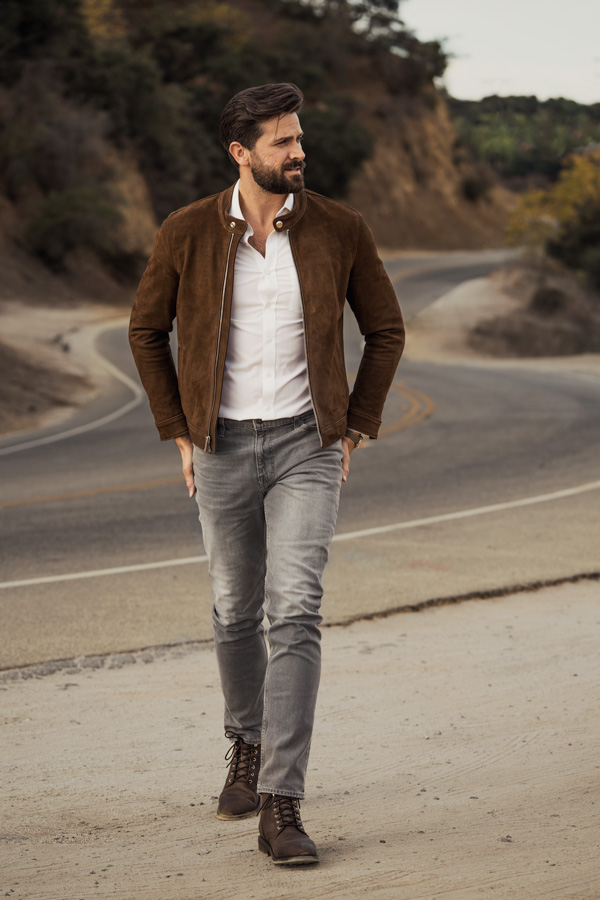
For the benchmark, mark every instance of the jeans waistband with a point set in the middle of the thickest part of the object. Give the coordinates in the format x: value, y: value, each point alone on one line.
x: 264, y: 424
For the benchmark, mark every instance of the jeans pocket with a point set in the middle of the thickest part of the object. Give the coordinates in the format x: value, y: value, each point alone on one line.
x: 309, y: 425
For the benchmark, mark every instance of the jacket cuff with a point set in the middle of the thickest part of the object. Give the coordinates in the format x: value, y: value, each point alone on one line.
x: 363, y: 423
x: 172, y: 428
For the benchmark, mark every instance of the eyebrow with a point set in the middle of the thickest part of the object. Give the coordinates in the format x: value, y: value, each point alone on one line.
x: 290, y: 137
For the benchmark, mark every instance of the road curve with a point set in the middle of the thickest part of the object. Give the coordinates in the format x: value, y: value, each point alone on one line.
x: 457, y: 438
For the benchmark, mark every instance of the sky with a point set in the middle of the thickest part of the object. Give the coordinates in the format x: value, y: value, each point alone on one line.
x: 519, y: 47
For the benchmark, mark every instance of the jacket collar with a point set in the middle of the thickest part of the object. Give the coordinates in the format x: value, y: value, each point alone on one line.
x: 280, y: 223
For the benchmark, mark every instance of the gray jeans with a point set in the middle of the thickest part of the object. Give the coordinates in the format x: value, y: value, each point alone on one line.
x: 268, y: 501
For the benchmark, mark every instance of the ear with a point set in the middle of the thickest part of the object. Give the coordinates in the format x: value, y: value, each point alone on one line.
x: 240, y: 154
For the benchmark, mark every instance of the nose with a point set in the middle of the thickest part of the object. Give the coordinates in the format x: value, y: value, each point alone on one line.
x: 297, y: 152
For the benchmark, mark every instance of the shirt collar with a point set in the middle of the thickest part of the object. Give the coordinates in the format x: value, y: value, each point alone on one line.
x: 235, y: 209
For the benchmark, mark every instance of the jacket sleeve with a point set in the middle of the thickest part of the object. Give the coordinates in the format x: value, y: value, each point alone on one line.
x: 152, y: 316
x: 374, y: 303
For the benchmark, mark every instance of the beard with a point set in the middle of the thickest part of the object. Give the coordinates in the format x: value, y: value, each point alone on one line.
x: 276, y: 181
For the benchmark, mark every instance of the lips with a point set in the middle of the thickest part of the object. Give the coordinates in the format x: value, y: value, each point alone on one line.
x: 296, y: 168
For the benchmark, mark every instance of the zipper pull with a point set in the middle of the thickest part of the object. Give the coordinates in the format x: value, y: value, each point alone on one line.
x: 207, y: 444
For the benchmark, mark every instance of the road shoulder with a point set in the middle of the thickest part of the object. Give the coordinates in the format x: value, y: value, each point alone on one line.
x: 455, y: 753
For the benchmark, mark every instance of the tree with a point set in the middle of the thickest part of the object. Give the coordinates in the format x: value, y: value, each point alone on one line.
x: 564, y: 220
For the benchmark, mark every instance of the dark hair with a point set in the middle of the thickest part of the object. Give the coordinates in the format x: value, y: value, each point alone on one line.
x: 243, y: 116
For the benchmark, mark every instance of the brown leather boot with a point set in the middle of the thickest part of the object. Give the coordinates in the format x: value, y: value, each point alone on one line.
x: 239, y: 798
x: 281, y: 833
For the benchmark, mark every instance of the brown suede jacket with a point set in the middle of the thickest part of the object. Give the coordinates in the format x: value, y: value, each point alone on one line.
x: 190, y: 277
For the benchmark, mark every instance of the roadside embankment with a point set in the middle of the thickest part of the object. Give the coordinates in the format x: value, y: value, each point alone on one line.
x: 444, y: 331
x: 48, y: 364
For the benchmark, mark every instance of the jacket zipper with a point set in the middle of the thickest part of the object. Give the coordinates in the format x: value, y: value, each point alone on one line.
x: 310, y: 391
x: 207, y: 442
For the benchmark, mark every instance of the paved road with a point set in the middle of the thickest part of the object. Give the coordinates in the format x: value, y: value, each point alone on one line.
x: 457, y: 438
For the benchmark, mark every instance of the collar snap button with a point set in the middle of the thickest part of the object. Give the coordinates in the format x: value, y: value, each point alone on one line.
x: 232, y: 224
x: 278, y: 224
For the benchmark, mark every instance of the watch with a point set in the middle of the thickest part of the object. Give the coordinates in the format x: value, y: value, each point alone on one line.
x: 355, y: 436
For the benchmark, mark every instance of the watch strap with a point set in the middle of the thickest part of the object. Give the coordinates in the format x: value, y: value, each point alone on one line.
x: 355, y: 436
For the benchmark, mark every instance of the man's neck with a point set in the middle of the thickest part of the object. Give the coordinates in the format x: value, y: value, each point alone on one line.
x: 259, y: 207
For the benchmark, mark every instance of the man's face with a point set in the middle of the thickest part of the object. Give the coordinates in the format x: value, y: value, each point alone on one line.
x: 277, y: 160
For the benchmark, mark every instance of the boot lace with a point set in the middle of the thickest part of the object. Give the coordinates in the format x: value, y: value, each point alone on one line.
x: 286, y: 811
x: 241, y: 758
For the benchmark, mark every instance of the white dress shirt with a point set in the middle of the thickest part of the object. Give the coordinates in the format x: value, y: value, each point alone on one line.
x: 265, y: 368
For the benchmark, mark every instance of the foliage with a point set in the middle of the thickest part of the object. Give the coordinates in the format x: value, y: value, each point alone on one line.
x: 476, y: 184
x: 151, y: 77
x: 565, y: 218
x: 46, y: 142
x: 523, y: 136
x: 577, y: 244
x: 34, y: 30
x: 72, y: 219
x: 336, y: 144
x: 405, y: 64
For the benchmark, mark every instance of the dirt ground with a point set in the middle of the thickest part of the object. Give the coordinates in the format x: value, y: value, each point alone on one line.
x: 455, y: 757
x: 47, y: 367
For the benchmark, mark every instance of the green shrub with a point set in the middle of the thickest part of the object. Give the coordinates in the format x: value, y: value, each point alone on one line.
x: 46, y: 141
x: 577, y: 244
x: 475, y: 186
x: 336, y: 144
x: 590, y: 263
x: 548, y: 301
x: 38, y: 29
x: 77, y: 218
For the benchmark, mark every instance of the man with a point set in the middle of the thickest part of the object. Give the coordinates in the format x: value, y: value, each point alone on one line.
x: 257, y: 277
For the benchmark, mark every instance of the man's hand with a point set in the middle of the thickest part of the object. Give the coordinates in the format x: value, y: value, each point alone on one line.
x: 186, y: 448
x: 348, y: 446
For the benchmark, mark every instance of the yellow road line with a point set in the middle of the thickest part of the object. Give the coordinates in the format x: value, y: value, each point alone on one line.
x: 420, y: 408
x: 115, y: 489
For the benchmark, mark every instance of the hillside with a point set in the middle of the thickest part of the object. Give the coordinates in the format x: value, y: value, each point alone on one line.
x: 109, y: 112
x: 419, y: 191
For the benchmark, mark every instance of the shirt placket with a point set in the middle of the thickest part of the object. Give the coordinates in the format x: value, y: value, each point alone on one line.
x: 268, y: 297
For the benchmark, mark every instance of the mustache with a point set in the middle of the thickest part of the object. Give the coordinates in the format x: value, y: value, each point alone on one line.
x: 297, y: 165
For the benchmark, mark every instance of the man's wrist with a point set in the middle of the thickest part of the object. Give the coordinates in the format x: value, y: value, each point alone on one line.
x: 354, y: 436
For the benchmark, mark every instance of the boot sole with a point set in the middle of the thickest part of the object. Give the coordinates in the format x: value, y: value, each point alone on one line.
x: 247, y: 815
x: 264, y: 847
